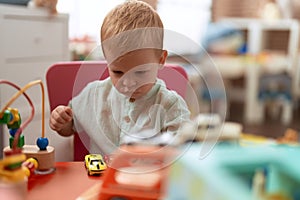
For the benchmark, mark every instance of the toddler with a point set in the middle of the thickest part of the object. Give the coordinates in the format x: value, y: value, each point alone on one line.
x: 132, y: 99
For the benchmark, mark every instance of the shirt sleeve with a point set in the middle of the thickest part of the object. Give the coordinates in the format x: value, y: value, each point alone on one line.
x: 79, y: 105
x: 177, y: 114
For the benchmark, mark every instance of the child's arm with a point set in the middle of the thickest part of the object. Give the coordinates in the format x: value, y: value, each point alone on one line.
x: 61, y: 120
x: 177, y: 114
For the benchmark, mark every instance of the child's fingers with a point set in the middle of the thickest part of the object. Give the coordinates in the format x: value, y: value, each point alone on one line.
x: 68, y: 111
x: 61, y: 116
x: 55, y: 125
x: 64, y: 114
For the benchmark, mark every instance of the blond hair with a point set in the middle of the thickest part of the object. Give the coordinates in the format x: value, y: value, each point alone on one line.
x: 132, y: 25
x: 130, y: 15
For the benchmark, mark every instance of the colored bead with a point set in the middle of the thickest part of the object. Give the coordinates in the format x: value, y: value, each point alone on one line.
x: 15, y: 115
x: 13, y: 166
x: 20, y: 144
x: 6, y: 117
x: 15, y: 124
x: 13, y: 131
x: 26, y: 171
x: 29, y: 166
x: 42, y: 143
x: 34, y: 162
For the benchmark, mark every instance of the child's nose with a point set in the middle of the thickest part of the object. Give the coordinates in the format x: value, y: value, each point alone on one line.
x: 129, y: 82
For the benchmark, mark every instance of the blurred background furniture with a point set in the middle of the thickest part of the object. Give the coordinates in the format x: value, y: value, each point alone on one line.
x: 270, y: 30
x: 274, y: 48
x: 257, y: 31
x: 30, y: 42
x: 234, y: 8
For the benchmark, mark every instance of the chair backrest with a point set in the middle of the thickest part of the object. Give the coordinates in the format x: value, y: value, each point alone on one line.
x: 66, y: 79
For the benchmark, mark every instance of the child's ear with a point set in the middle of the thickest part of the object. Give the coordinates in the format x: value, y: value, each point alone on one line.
x: 163, y: 58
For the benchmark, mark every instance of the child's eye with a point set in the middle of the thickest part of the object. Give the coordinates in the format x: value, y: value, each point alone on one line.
x: 140, y: 72
x: 118, y: 72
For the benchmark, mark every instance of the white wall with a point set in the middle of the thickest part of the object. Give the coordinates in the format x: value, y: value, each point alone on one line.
x: 86, y: 16
x: 187, y: 17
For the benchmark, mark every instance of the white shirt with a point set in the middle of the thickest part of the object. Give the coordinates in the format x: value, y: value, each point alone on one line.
x: 103, y: 116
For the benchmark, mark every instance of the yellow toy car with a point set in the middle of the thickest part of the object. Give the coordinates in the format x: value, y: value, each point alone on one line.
x: 94, y: 164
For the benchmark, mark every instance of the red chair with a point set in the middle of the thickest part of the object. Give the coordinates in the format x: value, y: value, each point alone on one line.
x: 66, y: 79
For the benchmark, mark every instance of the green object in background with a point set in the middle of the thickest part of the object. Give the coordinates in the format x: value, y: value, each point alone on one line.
x: 21, y: 141
x: 231, y: 172
x: 6, y: 117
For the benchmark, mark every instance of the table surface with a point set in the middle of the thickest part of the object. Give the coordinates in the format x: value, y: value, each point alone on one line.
x: 69, y: 181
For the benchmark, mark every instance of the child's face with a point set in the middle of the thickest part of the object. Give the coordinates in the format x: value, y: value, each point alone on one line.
x: 135, y: 73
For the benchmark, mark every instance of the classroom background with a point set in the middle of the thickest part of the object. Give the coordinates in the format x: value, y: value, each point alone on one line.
x: 242, y: 61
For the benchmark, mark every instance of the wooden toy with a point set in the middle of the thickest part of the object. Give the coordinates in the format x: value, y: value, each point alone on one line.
x: 43, y: 153
x: 45, y: 158
x: 14, y: 173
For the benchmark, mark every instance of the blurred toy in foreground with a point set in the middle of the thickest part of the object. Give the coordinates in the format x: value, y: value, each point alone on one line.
x: 13, y: 179
x: 137, y: 173
x: 14, y: 173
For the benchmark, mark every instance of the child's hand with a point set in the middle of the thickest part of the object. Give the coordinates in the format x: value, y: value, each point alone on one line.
x: 61, y: 119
